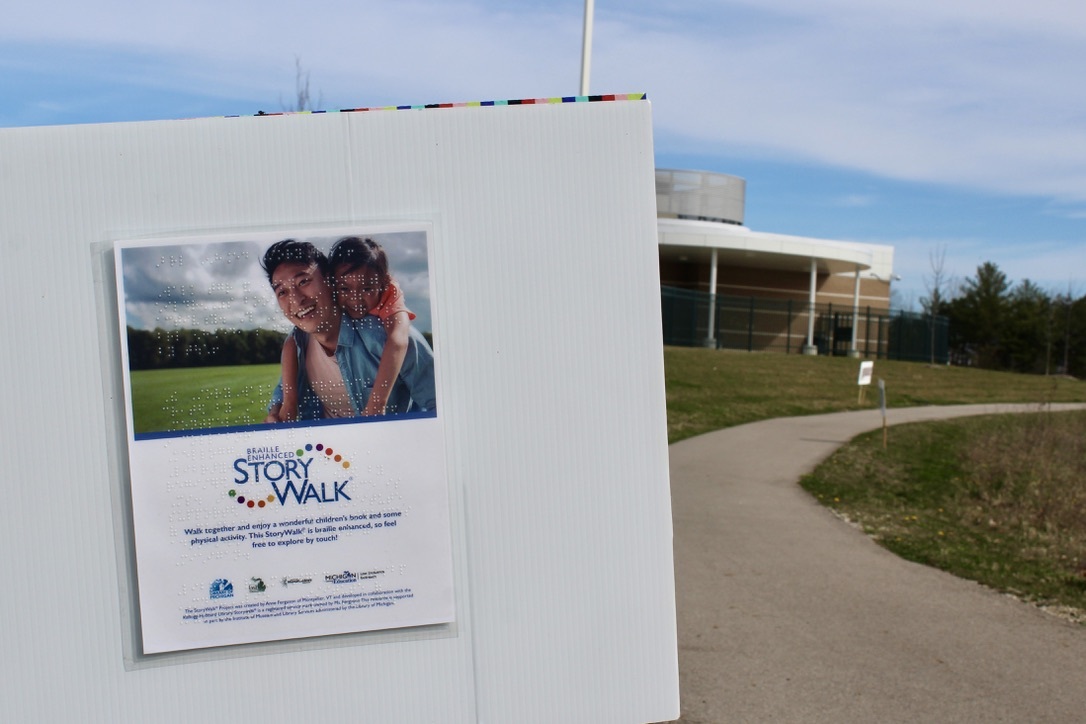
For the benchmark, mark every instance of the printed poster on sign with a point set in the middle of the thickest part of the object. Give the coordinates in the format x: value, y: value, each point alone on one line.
x: 285, y: 436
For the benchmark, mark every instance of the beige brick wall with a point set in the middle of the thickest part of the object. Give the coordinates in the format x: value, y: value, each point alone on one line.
x: 772, y: 284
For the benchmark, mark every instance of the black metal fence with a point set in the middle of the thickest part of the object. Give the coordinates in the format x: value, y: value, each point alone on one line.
x: 779, y: 325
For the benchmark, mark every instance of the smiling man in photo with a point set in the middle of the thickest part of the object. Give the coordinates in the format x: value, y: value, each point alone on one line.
x: 330, y: 361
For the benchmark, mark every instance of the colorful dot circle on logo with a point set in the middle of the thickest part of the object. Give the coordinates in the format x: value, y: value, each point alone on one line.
x: 329, y: 454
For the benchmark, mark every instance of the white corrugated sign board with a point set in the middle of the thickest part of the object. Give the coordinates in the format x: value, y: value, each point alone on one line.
x: 529, y: 567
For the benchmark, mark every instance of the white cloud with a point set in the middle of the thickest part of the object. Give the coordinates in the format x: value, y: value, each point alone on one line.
x: 927, y: 93
x: 358, y: 53
x: 976, y: 93
x: 221, y: 285
x: 201, y: 286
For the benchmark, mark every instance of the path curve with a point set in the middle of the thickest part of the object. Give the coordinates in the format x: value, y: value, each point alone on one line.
x: 787, y: 614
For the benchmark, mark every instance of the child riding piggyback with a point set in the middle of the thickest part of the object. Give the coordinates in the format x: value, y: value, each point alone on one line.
x: 364, y: 285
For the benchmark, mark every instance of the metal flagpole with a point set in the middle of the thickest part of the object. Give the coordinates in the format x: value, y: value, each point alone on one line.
x: 586, y: 46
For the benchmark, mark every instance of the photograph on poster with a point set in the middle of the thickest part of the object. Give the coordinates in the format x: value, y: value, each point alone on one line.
x: 285, y: 447
x: 225, y: 334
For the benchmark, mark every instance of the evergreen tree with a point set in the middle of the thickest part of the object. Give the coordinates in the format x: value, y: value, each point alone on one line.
x: 1030, y: 328
x: 978, y: 316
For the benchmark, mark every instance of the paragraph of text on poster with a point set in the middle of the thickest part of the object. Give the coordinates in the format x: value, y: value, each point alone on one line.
x: 303, y: 531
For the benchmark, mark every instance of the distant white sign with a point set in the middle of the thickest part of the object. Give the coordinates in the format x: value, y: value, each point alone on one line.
x: 866, y: 370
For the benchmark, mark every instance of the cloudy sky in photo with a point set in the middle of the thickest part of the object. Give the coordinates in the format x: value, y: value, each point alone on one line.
x: 933, y: 125
x: 219, y: 284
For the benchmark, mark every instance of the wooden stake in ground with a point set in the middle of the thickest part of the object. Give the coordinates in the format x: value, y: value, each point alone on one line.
x: 882, y: 408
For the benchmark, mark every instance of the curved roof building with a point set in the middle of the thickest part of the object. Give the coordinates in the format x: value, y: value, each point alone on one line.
x: 705, y: 247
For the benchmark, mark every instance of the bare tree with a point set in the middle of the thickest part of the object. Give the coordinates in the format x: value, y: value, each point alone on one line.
x: 936, y: 285
x: 303, y: 101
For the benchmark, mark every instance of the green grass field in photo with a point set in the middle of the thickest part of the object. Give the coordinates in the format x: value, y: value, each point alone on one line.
x: 196, y: 398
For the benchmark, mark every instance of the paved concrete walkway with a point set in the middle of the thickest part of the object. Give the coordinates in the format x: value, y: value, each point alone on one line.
x: 787, y: 614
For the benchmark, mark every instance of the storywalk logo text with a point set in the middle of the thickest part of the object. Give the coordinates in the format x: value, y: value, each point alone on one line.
x: 313, y: 473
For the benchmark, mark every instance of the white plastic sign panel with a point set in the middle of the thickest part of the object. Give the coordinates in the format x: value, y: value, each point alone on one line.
x: 866, y: 370
x: 543, y: 266
x: 281, y: 488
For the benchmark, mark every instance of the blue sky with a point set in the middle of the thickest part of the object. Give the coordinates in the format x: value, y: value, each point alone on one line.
x: 953, y: 125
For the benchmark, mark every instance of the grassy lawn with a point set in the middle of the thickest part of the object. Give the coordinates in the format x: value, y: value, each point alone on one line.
x: 194, y: 398
x: 1000, y: 500
x: 711, y: 389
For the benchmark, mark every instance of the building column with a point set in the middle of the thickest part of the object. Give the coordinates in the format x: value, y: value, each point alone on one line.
x: 810, y: 347
x: 852, y: 351
x: 710, y: 339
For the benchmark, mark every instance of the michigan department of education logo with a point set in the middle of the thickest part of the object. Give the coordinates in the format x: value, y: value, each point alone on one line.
x: 267, y: 476
x: 221, y: 588
x: 345, y: 577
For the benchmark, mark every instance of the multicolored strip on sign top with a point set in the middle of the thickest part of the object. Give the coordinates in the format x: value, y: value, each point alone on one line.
x: 480, y: 104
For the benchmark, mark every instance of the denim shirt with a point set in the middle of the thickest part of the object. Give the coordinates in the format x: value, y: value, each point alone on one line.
x: 358, y: 353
